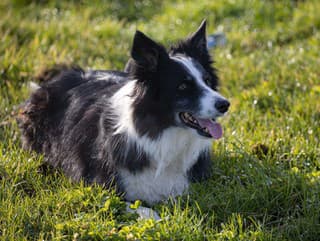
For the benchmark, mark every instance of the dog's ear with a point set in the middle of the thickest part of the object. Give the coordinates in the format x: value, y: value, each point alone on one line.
x: 145, y: 52
x: 198, y: 39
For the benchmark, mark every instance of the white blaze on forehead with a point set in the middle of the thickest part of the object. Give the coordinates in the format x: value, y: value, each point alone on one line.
x: 189, y: 66
x: 209, y: 96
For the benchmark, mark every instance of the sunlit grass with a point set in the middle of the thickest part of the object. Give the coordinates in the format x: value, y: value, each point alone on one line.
x: 265, y: 183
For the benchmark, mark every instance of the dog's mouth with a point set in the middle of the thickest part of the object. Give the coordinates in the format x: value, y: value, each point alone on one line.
x: 205, y: 127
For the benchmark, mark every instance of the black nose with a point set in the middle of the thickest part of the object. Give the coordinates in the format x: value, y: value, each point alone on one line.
x: 222, y: 105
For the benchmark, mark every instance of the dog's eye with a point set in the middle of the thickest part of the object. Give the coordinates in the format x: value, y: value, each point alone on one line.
x: 186, y: 83
x: 206, y: 80
x: 182, y: 86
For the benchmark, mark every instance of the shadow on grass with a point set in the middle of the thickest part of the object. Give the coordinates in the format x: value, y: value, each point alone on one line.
x: 283, y: 201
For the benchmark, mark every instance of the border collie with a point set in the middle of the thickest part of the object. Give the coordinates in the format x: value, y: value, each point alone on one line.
x: 148, y: 129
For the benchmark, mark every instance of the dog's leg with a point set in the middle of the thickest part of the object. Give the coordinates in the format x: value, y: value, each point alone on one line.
x: 144, y: 212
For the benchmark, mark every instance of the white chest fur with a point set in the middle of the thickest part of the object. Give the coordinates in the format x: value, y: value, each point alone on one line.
x: 171, y: 156
x: 146, y: 186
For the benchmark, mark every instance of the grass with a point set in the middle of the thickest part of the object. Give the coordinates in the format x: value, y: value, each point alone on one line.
x: 266, y: 178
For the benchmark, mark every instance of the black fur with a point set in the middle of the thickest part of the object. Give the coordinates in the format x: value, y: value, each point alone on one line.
x: 196, y: 47
x: 71, y: 121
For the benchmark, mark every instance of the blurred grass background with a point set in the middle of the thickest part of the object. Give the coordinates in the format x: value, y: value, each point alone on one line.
x: 265, y: 183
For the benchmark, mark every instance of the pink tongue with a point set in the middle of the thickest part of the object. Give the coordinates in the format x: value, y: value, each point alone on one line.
x: 214, y: 128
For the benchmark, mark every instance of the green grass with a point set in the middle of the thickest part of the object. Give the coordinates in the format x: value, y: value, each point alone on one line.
x: 266, y: 178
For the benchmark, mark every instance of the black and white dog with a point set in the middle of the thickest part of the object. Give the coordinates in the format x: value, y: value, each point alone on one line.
x: 148, y: 130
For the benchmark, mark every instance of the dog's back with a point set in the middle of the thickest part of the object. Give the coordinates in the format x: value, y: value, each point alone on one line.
x: 61, y: 118
x: 35, y: 113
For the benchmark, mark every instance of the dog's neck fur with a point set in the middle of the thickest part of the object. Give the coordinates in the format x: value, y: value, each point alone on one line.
x: 171, y: 154
x: 175, y: 146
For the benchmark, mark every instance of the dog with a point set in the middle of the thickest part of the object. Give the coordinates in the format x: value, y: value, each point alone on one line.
x: 147, y: 130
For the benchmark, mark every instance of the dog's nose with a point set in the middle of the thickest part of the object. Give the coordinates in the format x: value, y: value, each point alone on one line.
x: 222, y: 105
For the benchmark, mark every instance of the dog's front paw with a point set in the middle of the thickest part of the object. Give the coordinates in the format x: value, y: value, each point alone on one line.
x: 144, y: 212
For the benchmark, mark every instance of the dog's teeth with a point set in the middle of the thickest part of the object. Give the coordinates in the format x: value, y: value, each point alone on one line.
x: 205, y: 130
x: 189, y: 118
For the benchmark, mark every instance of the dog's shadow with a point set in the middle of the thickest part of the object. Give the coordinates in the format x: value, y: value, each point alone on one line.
x: 245, y: 183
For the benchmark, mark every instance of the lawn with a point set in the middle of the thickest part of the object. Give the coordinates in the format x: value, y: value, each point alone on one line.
x: 265, y: 183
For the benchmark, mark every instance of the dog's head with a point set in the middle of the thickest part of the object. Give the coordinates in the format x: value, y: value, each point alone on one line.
x: 176, y: 87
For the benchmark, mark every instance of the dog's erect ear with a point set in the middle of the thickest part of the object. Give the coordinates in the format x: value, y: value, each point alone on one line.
x: 145, y: 52
x: 198, y: 39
